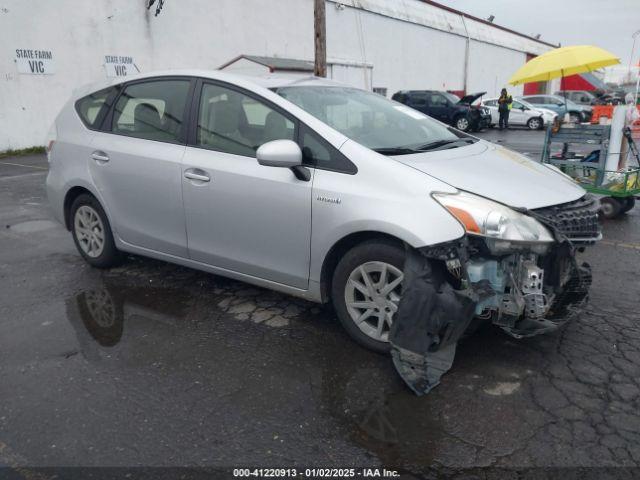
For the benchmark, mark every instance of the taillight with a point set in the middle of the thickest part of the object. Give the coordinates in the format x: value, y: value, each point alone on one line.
x: 51, y: 140
x: 48, y: 149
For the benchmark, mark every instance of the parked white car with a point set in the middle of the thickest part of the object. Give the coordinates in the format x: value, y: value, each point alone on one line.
x: 522, y: 114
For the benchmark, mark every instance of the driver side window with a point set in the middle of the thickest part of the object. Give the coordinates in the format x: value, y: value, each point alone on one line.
x: 230, y: 121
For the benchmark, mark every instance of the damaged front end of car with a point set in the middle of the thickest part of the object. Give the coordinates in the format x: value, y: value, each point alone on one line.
x: 514, y: 268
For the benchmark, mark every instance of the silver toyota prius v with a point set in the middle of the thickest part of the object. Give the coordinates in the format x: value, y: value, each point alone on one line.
x: 416, y: 232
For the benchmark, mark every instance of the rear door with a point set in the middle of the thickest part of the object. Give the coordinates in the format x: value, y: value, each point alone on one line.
x: 418, y: 101
x: 438, y: 107
x: 518, y: 114
x: 136, y: 163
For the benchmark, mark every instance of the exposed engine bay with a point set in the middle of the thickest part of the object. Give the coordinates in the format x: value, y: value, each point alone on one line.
x: 525, y: 289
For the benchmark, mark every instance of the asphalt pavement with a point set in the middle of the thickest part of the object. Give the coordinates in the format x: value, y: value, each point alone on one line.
x: 151, y: 364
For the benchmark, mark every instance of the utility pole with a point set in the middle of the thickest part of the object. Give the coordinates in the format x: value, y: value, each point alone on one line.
x: 320, y: 29
x: 633, y: 47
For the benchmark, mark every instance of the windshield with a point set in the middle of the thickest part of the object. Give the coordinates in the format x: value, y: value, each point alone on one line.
x: 374, y: 121
x: 525, y: 103
x: 452, y: 98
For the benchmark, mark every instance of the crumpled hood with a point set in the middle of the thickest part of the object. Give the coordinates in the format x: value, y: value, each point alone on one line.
x: 497, y: 173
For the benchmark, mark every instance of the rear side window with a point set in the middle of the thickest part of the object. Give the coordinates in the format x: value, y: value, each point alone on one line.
x: 92, y: 108
x: 152, y: 110
x: 418, y: 99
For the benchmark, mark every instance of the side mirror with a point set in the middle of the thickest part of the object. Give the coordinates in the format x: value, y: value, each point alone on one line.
x: 283, y: 154
x: 279, y: 153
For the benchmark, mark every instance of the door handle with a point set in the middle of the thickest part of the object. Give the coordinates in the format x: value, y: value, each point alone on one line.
x: 197, y: 174
x: 100, y: 157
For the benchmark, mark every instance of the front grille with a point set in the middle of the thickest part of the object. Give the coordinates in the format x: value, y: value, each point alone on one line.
x: 576, y: 220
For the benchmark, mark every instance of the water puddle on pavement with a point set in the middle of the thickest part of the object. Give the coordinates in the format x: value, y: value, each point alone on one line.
x: 33, y: 226
x: 207, y: 342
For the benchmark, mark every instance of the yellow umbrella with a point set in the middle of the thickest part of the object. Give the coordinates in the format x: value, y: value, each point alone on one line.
x: 563, y: 62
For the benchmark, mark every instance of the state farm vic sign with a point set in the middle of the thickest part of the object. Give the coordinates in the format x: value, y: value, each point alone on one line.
x: 119, y: 65
x: 35, y: 62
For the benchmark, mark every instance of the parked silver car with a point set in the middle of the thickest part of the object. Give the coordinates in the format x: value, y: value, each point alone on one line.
x: 318, y: 190
x: 522, y: 114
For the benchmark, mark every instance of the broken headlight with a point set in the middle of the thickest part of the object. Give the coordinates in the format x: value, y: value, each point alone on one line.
x: 504, y: 229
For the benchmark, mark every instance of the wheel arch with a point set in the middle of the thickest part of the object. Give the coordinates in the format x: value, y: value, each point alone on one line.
x: 342, y: 246
x: 69, y: 198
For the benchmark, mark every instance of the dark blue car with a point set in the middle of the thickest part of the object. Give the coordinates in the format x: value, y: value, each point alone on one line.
x: 448, y: 108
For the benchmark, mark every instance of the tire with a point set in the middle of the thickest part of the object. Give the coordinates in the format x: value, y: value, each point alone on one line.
x: 462, y: 123
x: 610, y: 207
x: 368, y: 258
x: 575, y: 117
x: 92, y: 234
x: 627, y: 204
x: 535, y: 123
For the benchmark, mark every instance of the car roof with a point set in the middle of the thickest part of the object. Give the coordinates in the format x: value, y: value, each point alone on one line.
x: 539, y: 95
x: 268, y: 81
x: 421, y: 91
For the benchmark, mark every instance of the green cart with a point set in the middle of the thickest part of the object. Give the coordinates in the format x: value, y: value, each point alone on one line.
x: 583, y: 156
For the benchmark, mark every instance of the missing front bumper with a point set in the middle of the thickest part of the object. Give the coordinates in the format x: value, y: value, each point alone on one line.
x: 444, y: 290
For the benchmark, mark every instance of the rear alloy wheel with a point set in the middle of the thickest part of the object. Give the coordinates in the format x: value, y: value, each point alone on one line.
x: 366, y: 291
x: 534, y: 123
x: 89, y: 230
x: 92, y: 233
x: 462, y: 124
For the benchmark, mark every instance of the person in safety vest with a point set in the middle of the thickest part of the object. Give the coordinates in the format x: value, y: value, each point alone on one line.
x: 504, y: 105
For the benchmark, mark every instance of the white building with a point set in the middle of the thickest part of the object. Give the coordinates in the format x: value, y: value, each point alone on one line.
x: 47, y: 48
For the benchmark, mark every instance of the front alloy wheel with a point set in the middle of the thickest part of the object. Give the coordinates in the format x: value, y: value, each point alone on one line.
x: 462, y: 124
x: 534, y: 123
x: 366, y: 287
x: 372, y: 294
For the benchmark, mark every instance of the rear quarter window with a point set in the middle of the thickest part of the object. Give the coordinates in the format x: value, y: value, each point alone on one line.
x: 93, y: 107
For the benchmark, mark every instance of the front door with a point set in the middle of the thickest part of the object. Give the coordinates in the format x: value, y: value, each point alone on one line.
x: 137, y: 165
x: 518, y: 114
x: 242, y: 216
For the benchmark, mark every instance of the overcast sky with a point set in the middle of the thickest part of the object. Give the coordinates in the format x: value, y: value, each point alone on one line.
x: 606, y: 23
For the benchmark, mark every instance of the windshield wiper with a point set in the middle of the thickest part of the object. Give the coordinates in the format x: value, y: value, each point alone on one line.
x: 442, y: 143
x: 396, y: 150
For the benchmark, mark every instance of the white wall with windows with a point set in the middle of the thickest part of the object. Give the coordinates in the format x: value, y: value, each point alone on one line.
x: 48, y: 48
